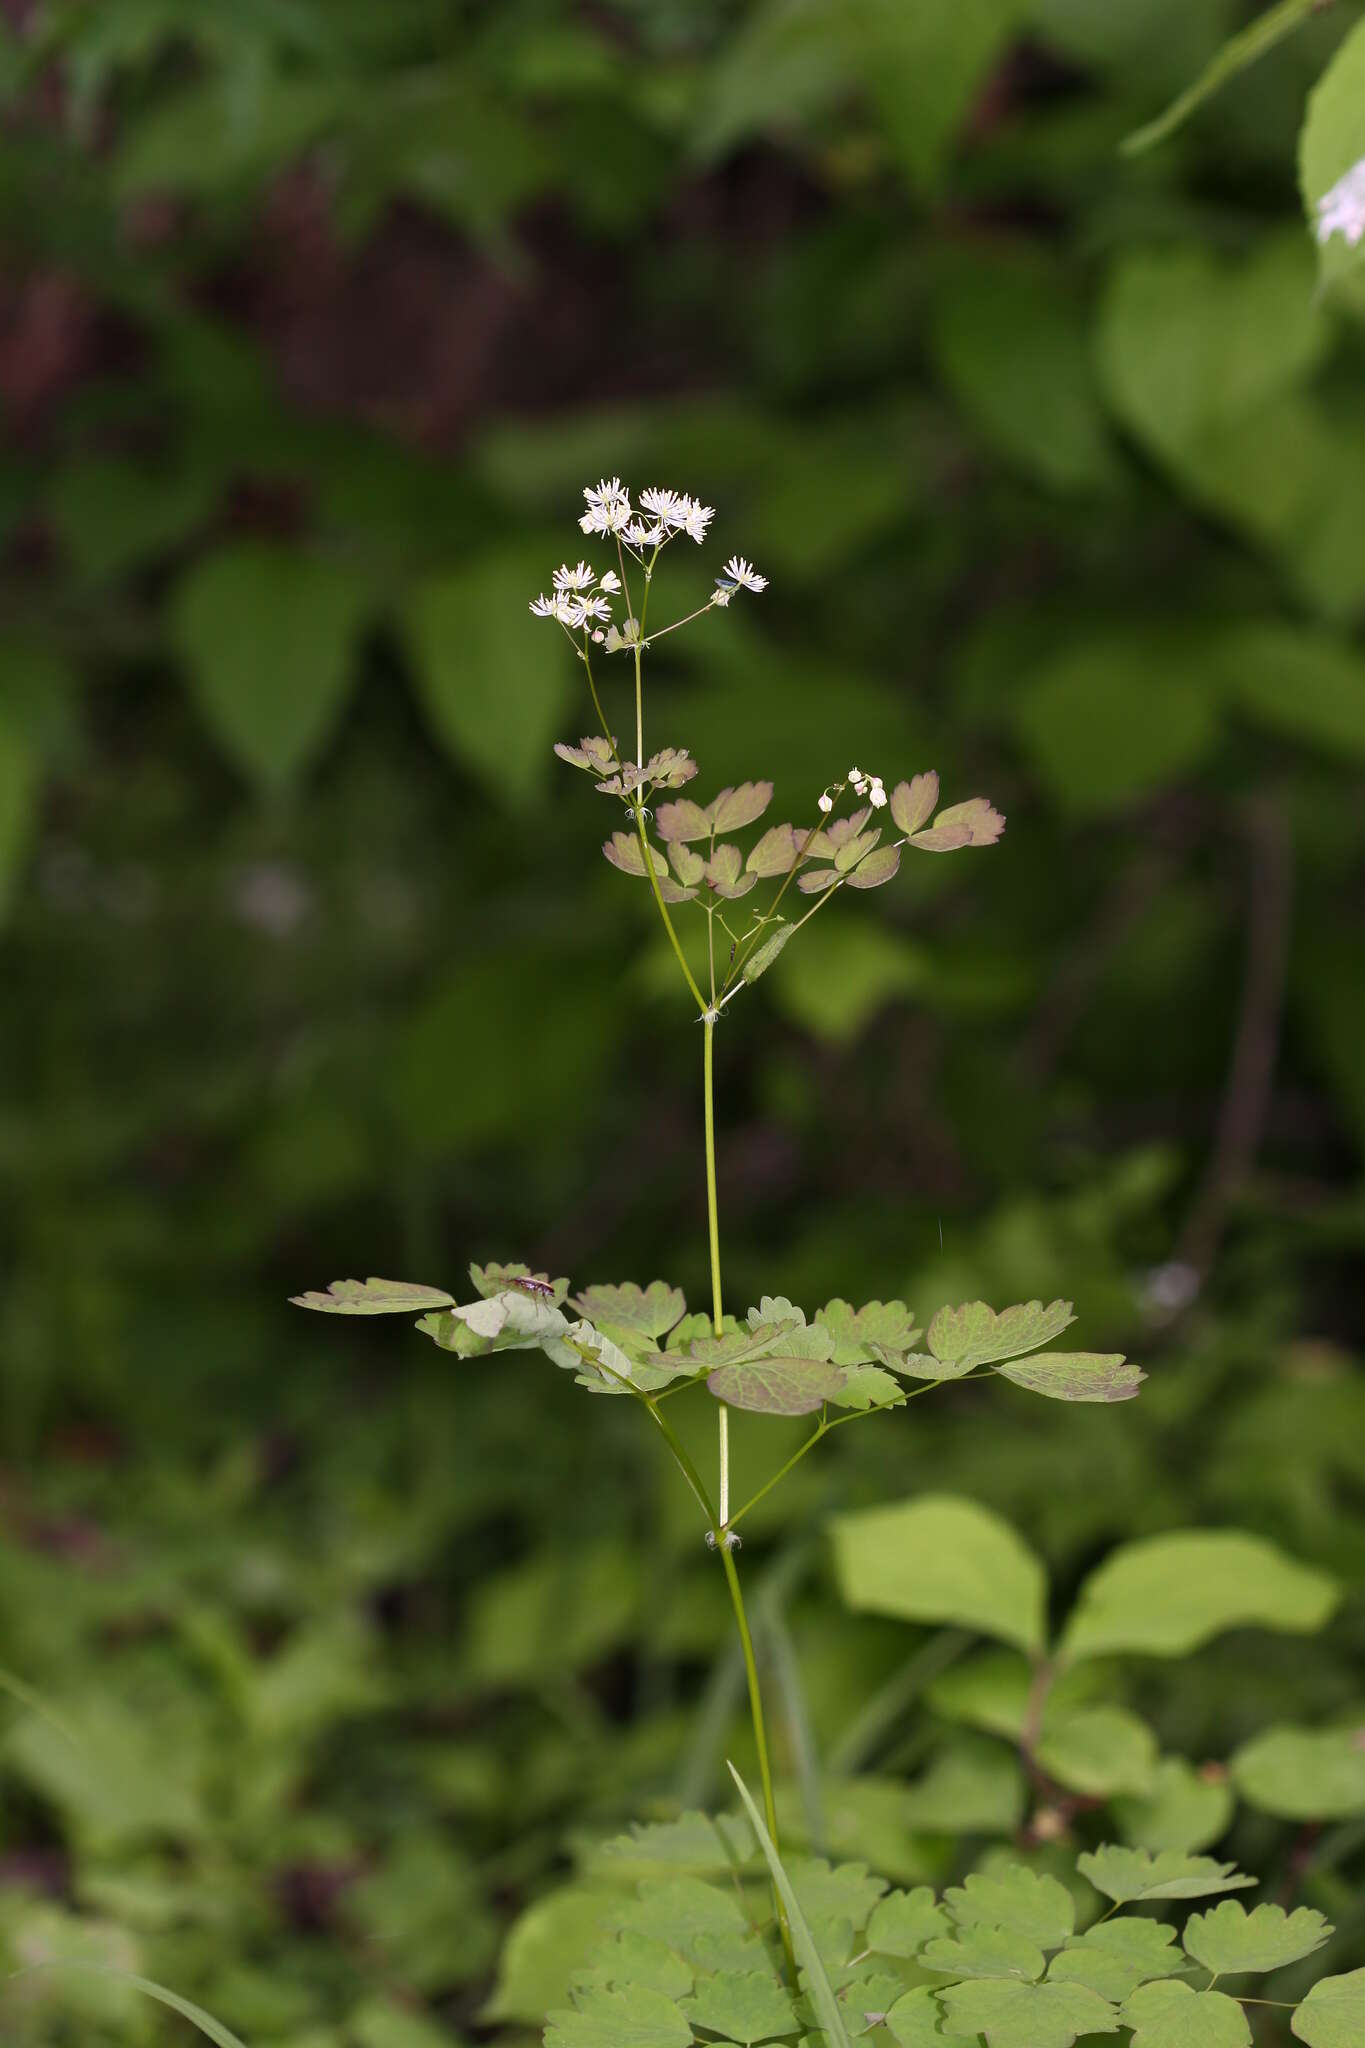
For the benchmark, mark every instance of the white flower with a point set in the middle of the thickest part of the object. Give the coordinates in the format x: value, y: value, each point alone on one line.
x: 610, y: 582
x: 722, y: 594
x: 594, y: 607
x: 1342, y: 209
x: 660, y: 503
x: 826, y: 803
x: 876, y: 796
x: 606, y: 493
x: 611, y: 516
x: 745, y: 574
x: 855, y: 774
x: 581, y: 578
x: 641, y: 535
x: 545, y: 607
x: 693, y: 517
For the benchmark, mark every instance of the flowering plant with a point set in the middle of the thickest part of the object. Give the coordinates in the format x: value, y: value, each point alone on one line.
x: 729, y: 1940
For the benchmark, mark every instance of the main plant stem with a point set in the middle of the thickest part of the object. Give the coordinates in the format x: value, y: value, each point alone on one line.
x: 686, y: 1466
x: 713, y: 1233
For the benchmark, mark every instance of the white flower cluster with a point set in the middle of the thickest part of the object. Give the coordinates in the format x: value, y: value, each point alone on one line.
x: 1341, y: 210
x: 575, y: 602
x: 659, y: 516
x: 578, y: 601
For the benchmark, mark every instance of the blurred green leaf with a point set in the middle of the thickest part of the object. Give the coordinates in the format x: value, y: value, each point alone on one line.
x: 941, y: 1559
x: 267, y: 638
x: 1167, y: 1595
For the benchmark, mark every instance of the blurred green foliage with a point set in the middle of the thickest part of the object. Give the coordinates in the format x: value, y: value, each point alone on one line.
x: 314, y: 320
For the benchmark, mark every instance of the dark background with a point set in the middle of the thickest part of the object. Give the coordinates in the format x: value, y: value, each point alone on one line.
x: 314, y: 321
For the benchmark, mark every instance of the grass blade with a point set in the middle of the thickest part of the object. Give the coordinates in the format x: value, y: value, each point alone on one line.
x: 807, y: 1954
x: 1236, y: 54
x: 221, y: 2036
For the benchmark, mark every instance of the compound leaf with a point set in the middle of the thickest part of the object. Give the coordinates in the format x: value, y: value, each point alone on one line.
x: 775, y: 853
x: 856, y: 1331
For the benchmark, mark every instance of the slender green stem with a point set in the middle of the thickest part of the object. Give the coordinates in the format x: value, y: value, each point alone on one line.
x: 703, y: 1008
x: 760, y: 1733
x: 679, y: 622
x: 713, y: 1233
x: 683, y: 1460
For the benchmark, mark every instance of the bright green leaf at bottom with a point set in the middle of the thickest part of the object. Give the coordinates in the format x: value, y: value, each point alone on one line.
x: 1114, y: 1956
x: 1227, y: 1938
x: 1027, y: 2015
x: 744, y: 2008
x: 1171, y: 2015
x: 912, y: 2021
x: 620, y: 2019
x: 1026, y: 1902
x: 1333, y: 2014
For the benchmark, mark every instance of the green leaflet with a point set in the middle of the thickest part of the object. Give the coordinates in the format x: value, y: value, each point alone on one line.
x: 1333, y: 2014
x: 1169, y: 2015
x: 374, y: 1298
x: 1227, y: 1938
x: 1130, y: 1875
x: 1168, y: 1594
x: 1304, y: 1773
x: 941, y: 1559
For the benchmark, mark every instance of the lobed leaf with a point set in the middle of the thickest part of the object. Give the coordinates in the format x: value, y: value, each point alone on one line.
x: 653, y: 1310
x: 776, y: 1386
x: 725, y: 872
x: 913, y: 802
x: 813, y: 880
x: 735, y: 1345
x: 495, y: 1279
x: 1171, y: 2015
x: 1027, y: 2015
x: 775, y: 853
x: 1227, y: 1939
x: 889, y: 1324
x: 1025, y: 1902
x: 982, y: 821
x: 1114, y: 1956
x: 942, y: 838
x: 876, y: 869
x: 689, y: 867
x: 682, y: 820
x: 735, y: 808
x: 856, y: 849
x: 595, y: 754
x: 601, y: 2018
x: 1128, y: 1875
x: 1333, y: 2014
x: 1076, y: 1375
x: 902, y: 1922
x: 743, y: 2007
x: 867, y: 1386
x: 374, y: 1298
x: 974, y: 1334
x: 623, y: 851
x: 983, y: 1951
x: 670, y: 768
